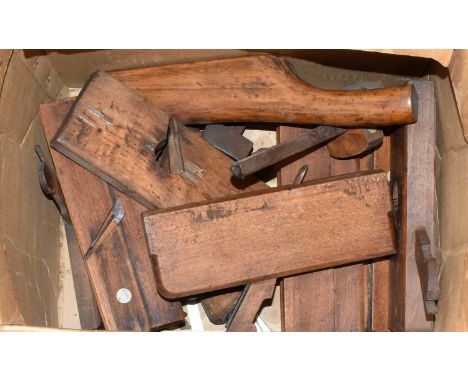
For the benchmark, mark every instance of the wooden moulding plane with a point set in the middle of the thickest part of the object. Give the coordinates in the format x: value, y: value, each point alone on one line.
x: 121, y: 262
x: 322, y: 223
x: 126, y: 130
x: 128, y: 157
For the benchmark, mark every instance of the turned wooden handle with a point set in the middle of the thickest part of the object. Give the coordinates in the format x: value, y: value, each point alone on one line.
x: 264, y: 89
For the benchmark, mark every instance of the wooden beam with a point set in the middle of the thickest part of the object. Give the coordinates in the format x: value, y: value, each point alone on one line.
x: 380, y: 268
x: 323, y: 224
x: 413, y: 187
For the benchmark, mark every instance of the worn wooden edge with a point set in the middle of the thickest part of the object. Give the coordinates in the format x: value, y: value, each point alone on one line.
x: 247, y: 194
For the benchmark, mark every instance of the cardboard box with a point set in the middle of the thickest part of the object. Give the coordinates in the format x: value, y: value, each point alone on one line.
x: 35, y: 276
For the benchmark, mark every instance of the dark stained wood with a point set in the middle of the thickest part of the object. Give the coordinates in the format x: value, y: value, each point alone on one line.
x: 110, y: 269
x: 355, y: 142
x: 428, y: 274
x: 113, y: 132
x: 313, y: 138
x: 413, y: 185
x: 263, y: 89
x: 129, y: 260
x: 237, y: 239
x: 219, y: 304
x: 243, y: 319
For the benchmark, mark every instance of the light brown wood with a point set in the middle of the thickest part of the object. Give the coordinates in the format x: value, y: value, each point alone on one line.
x: 263, y: 89
x: 131, y: 266
x: 323, y: 224
x: 413, y: 185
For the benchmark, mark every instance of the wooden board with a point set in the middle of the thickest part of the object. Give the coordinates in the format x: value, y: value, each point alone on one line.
x: 113, y: 132
x: 413, y: 185
x: 263, y: 89
x: 332, y: 299
x: 130, y: 264
x: 323, y: 224
x: 380, y: 269
x: 85, y: 299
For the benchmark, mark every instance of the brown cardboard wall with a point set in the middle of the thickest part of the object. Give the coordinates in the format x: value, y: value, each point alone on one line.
x: 452, y: 192
x: 29, y: 224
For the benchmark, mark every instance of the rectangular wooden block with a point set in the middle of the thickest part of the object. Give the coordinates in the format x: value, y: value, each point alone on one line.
x: 122, y: 261
x: 235, y: 240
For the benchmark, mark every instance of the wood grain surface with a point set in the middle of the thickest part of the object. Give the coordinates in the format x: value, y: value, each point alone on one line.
x: 332, y: 299
x: 263, y: 89
x: 113, y: 132
x: 117, y: 140
x: 256, y: 294
x: 188, y: 240
x: 123, y: 260
x: 85, y: 299
x: 380, y: 268
x: 413, y: 186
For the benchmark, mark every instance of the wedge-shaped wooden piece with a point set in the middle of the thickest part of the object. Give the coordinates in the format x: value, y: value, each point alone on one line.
x: 122, y: 261
x: 235, y: 240
x: 264, y: 89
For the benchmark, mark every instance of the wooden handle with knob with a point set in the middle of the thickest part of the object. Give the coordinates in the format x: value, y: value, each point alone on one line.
x: 264, y: 89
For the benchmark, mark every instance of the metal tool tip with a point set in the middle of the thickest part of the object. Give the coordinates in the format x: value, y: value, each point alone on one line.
x: 236, y: 171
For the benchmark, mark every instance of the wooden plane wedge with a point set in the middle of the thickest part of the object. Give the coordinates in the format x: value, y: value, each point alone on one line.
x: 201, y: 247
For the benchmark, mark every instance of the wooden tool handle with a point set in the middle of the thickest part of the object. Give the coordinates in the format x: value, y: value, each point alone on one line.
x: 264, y: 89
